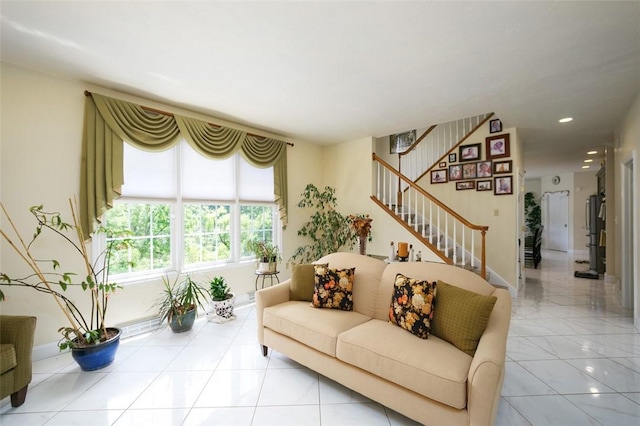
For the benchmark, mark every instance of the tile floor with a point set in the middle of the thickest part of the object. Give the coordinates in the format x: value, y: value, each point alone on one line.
x: 573, y: 359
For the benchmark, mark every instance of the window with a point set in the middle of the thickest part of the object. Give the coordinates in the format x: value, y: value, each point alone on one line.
x: 188, y: 212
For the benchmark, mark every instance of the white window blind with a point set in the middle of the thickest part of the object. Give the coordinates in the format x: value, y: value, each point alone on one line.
x: 149, y: 179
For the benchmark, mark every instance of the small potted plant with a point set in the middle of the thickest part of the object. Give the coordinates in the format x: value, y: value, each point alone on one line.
x: 179, y: 302
x: 267, y: 255
x: 93, y: 343
x: 222, y: 300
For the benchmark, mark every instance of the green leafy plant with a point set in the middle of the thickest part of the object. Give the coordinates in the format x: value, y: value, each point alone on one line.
x: 179, y: 297
x: 327, y: 228
x: 264, y: 251
x: 46, y: 275
x: 533, y: 212
x: 218, y: 288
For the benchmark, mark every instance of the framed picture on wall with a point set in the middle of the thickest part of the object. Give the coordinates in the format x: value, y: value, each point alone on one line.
x: 484, y: 185
x: 455, y: 172
x: 469, y: 171
x: 468, y: 184
x: 495, y: 126
x: 400, y: 142
x: 500, y: 167
x: 484, y: 169
x: 452, y: 158
x: 497, y: 146
x: 469, y: 152
x: 439, y: 176
x: 503, y: 185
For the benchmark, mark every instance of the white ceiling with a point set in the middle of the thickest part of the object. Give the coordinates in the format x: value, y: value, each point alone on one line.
x: 327, y: 72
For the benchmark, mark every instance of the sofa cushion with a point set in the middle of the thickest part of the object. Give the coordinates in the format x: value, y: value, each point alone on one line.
x: 333, y: 288
x: 366, y: 281
x: 433, y: 367
x: 412, y: 305
x: 7, y: 357
x: 461, y: 316
x: 317, y: 328
x: 302, y: 281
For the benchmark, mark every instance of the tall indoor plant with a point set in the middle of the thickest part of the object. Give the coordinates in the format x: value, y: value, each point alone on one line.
x: 327, y: 228
x: 86, y: 333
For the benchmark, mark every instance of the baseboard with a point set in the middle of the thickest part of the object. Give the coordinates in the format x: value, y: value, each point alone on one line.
x: 580, y: 253
x: 130, y: 329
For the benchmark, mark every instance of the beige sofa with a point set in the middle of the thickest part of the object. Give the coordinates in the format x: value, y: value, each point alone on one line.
x: 428, y: 380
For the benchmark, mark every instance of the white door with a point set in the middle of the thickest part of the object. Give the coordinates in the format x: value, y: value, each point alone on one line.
x: 556, y: 221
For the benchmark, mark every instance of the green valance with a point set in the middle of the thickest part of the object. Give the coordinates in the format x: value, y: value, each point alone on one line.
x: 109, y: 122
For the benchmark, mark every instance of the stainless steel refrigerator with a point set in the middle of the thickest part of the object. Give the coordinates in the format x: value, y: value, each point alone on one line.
x: 596, y: 232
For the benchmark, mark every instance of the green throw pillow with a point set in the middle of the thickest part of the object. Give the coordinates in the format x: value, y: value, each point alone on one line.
x: 461, y: 316
x: 302, y: 282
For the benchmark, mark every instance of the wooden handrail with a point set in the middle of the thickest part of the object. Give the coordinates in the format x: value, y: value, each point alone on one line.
x: 417, y: 142
x: 429, y: 196
x: 460, y: 142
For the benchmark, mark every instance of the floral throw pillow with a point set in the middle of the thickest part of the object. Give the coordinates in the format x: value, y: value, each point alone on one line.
x: 412, y: 305
x: 333, y: 288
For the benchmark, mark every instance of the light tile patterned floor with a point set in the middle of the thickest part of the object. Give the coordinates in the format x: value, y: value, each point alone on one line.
x: 573, y: 359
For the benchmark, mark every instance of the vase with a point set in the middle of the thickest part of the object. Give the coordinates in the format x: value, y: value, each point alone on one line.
x: 182, y: 323
x: 362, y: 243
x: 222, y: 310
x: 100, y: 355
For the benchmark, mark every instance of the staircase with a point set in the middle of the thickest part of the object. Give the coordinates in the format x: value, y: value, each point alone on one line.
x: 435, y: 144
x: 450, y: 236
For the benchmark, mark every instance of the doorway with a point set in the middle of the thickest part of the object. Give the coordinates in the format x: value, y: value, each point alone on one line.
x: 628, y: 233
x: 556, y: 221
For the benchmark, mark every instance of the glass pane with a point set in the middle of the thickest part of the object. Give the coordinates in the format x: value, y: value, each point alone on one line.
x: 207, y: 233
x: 147, y: 246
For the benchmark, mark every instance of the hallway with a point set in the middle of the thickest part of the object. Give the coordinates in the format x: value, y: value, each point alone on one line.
x: 573, y: 355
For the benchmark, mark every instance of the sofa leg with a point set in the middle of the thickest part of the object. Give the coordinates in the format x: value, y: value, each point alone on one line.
x: 265, y: 350
x: 18, y: 397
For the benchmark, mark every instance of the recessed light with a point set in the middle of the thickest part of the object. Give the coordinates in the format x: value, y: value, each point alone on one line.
x: 592, y: 152
x: 585, y: 167
x: 565, y: 120
x: 588, y: 161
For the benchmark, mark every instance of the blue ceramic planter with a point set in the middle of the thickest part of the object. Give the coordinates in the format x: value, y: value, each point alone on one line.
x: 97, y: 356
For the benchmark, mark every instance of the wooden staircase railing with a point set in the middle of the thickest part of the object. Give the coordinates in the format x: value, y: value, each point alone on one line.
x: 450, y: 236
x: 436, y: 143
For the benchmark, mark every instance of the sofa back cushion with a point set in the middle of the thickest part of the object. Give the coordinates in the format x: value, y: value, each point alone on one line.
x: 461, y: 316
x: 302, y: 282
x: 366, y: 283
x: 430, y: 271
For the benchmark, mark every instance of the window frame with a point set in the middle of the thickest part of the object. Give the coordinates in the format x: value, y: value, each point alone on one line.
x: 176, y: 207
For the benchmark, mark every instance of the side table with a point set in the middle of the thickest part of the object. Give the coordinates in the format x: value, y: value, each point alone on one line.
x: 270, y: 274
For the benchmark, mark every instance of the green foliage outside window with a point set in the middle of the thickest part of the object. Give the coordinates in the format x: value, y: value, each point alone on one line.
x: 207, y: 234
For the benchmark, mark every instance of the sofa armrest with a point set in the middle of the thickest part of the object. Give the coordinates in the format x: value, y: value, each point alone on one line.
x: 19, y: 331
x: 266, y: 297
x: 486, y: 374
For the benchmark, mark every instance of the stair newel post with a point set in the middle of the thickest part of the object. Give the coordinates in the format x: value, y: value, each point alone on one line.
x: 483, y: 267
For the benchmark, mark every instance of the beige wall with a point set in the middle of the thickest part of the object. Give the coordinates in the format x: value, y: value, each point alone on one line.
x: 627, y: 147
x: 498, y: 212
x: 40, y: 149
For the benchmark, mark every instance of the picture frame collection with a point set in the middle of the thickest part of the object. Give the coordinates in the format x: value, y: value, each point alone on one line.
x: 468, y: 170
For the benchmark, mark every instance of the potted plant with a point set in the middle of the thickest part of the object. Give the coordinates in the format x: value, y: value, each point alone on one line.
x: 327, y: 228
x: 93, y: 344
x: 533, y: 213
x: 179, y: 302
x: 222, y: 300
x: 266, y: 253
